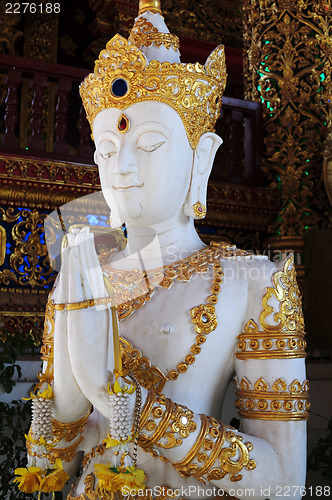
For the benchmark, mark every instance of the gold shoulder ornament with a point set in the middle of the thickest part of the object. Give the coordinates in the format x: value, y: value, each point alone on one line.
x: 279, y: 334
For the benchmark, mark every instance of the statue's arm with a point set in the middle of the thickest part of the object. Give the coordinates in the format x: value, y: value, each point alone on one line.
x: 268, y: 455
x: 75, y: 355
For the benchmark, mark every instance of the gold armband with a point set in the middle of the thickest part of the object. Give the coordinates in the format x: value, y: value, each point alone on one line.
x: 170, y: 423
x: 282, y: 402
x: 210, y: 458
x: 69, y: 431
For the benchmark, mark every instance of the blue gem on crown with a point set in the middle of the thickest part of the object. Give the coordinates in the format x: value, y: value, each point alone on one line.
x: 119, y: 87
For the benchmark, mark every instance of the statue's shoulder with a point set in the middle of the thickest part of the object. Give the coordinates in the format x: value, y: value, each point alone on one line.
x: 260, y: 272
x: 229, y: 252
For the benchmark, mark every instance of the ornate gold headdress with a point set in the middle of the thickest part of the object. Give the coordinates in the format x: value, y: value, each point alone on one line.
x: 124, y: 75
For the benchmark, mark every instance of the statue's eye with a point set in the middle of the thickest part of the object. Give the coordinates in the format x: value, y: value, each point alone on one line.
x: 106, y: 149
x: 107, y: 155
x: 152, y: 147
x: 150, y: 141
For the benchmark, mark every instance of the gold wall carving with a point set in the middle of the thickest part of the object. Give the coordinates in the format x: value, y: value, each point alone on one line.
x: 44, y: 183
x: 9, y: 34
x: 22, y: 323
x: 41, y: 36
x: 287, y: 66
x: 29, y: 263
x: 215, y: 21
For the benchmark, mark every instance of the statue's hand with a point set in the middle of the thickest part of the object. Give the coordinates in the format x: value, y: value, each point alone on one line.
x: 85, y: 278
x: 89, y: 329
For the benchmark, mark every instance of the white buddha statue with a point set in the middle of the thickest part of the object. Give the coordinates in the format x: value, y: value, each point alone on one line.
x: 190, y: 315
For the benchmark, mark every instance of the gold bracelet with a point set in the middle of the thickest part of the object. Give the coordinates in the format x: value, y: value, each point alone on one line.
x: 69, y: 431
x: 84, y: 304
x: 167, y: 423
x: 66, y: 454
x: 223, y: 444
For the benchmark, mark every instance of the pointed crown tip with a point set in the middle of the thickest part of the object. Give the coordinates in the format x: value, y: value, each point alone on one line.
x: 149, y: 5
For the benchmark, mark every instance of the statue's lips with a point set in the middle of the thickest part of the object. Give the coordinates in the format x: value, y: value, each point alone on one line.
x: 131, y: 187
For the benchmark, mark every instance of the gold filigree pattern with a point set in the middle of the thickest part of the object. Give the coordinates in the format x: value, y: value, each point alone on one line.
x: 28, y: 263
x: 218, y: 451
x: 145, y: 34
x: 193, y: 90
x: 282, y: 334
x: 134, y: 362
x: 287, y: 66
x: 281, y: 402
x: 30, y: 256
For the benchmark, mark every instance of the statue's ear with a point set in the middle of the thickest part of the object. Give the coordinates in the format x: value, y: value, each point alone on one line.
x: 195, y: 204
x: 206, y: 151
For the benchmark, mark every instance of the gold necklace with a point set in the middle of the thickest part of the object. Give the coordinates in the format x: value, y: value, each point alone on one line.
x: 203, y: 317
x: 132, y: 289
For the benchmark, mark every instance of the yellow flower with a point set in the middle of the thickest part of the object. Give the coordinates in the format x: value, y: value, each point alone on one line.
x: 135, y: 480
x: 55, y: 480
x: 117, y: 388
x: 108, y: 477
x: 110, y: 442
x: 30, y: 479
x: 114, y: 479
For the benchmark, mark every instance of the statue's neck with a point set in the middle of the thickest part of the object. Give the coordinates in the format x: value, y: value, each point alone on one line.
x: 160, y: 245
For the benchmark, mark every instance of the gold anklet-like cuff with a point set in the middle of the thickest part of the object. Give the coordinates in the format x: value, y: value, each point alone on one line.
x: 69, y: 431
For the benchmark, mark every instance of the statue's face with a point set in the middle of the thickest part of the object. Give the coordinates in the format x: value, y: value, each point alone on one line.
x: 145, y: 170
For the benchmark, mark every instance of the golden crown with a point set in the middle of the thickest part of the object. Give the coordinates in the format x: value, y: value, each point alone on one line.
x: 123, y: 76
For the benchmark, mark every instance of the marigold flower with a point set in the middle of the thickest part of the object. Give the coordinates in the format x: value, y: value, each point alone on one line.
x: 30, y: 479
x: 54, y: 481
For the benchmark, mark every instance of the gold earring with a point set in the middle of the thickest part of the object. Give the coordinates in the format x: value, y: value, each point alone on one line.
x: 199, y: 210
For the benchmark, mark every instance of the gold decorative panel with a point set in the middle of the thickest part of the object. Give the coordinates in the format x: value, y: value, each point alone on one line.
x: 288, y: 63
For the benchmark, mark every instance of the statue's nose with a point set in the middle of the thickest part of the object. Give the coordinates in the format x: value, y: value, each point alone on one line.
x: 126, y: 161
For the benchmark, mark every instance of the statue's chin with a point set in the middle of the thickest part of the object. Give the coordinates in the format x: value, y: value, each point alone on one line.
x: 133, y: 209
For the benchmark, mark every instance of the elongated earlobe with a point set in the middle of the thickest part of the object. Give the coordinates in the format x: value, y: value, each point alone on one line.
x: 203, y: 157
